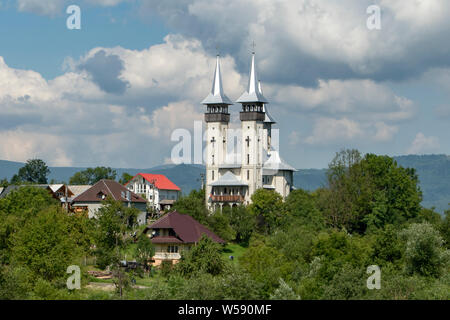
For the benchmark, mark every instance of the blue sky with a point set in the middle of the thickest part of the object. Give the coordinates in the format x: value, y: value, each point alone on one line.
x: 113, y: 92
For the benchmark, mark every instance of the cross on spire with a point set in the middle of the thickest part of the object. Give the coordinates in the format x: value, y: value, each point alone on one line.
x: 253, y: 46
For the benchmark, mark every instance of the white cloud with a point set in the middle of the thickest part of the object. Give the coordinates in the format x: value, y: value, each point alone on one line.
x: 423, y: 144
x: 318, y: 39
x: 328, y: 130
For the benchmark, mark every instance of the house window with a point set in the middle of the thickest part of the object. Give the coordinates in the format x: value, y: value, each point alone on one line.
x: 172, y: 249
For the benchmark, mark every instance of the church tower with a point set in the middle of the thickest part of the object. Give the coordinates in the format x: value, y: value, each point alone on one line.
x: 217, y: 121
x: 252, y: 118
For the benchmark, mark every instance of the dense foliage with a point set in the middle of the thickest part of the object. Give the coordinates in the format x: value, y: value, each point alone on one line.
x: 312, y: 245
x: 91, y: 176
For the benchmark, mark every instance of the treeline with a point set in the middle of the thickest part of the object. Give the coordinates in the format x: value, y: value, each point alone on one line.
x: 36, y: 171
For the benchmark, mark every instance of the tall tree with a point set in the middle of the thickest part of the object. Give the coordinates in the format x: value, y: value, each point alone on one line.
x: 125, y: 178
x: 369, y: 192
x: 93, y: 175
x: 34, y: 171
x: 267, y: 206
x: 144, y: 251
x: 113, y: 225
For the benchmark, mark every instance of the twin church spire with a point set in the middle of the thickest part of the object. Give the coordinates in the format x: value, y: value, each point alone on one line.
x: 253, y: 94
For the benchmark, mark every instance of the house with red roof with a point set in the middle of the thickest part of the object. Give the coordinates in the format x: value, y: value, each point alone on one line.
x: 175, y: 232
x: 160, y: 192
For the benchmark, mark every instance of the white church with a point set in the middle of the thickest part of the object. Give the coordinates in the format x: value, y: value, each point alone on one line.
x: 238, y: 162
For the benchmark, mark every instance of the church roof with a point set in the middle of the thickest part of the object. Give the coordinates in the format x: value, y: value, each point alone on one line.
x: 216, y: 96
x: 268, y: 118
x: 228, y: 179
x: 274, y: 163
x: 252, y: 94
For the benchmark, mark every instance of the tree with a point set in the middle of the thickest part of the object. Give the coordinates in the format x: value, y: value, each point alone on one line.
x: 220, y: 223
x: 267, y: 206
x: 284, y: 292
x: 16, y: 209
x: 445, y: 229
x: 93, y: 175
x: 4, y: 183
x: 204, y: 257
x: 425, y: 253
x: 125, y: 178
x: 113, y: 224
x: 45, y: 245
x: 368, y: 193
x: 144, y: 251
x: 243, y: 224
x: 34, y: 171
x: 302, y: 204
x: 193, y: 205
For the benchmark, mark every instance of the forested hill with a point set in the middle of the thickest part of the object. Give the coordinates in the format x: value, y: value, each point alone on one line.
x: 433, y: 171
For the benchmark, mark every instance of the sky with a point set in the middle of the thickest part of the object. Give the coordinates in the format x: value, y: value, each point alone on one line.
x: 113, y: 92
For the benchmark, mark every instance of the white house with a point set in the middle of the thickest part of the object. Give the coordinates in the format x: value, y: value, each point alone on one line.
x: 159, y: 191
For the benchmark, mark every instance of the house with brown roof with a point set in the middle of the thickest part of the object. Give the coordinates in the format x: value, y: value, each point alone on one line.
x: 160, y: 192
x: 174, y: 233
x: 92, y: 199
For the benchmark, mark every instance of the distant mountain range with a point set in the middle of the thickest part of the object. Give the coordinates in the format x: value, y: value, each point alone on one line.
x: 433, y: 171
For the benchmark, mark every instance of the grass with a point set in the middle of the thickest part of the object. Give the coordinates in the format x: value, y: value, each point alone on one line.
x: 232, y: 249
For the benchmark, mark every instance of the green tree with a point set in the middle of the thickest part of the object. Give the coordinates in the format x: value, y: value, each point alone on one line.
x: 368, y: 193
x: 445, y: 229
x: 425, y: 253
x: 193, y: 205
x: 144, y: 251
x: 125, y: 178
x: 113, y: 226
x: 303, y: 205
x: 4, y: 183
x: 34, y: 171
x: 204, y: 257
x: 266, y: 265
x: 93, y: 175
x: 45, y: 245
x: 220, y: 224
x: 284, y: 292
x: 243, y: 224
x: 16, y: 209
x: 267, y: 206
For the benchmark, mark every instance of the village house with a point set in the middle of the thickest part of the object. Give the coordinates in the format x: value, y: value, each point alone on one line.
x: 160, y: 192
x: 174, y: 233
x: 91, y: 200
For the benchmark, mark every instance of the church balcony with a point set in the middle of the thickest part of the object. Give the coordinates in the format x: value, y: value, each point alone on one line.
x: 252, y: 116
x: 217, y: 117
x: 227, y: 198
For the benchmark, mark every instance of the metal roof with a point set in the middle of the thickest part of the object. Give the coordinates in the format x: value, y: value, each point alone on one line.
x: 268, y: 118
x: 216, y: 96
x: 228, y: 179
x: 274, y: 163
x: 252, y: 94
x: 160, y: 181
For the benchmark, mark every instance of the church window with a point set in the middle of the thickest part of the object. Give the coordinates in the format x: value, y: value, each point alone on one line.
x: 248, y: 174
x: 212, y: 172
x: 248, y: 159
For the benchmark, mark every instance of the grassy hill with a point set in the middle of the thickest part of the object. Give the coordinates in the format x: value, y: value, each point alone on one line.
x: 433, y: 171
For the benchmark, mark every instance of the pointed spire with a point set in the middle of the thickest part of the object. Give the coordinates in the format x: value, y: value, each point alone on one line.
x: 252, y: 94
x: 216, y: 95
x: 268, y: 117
